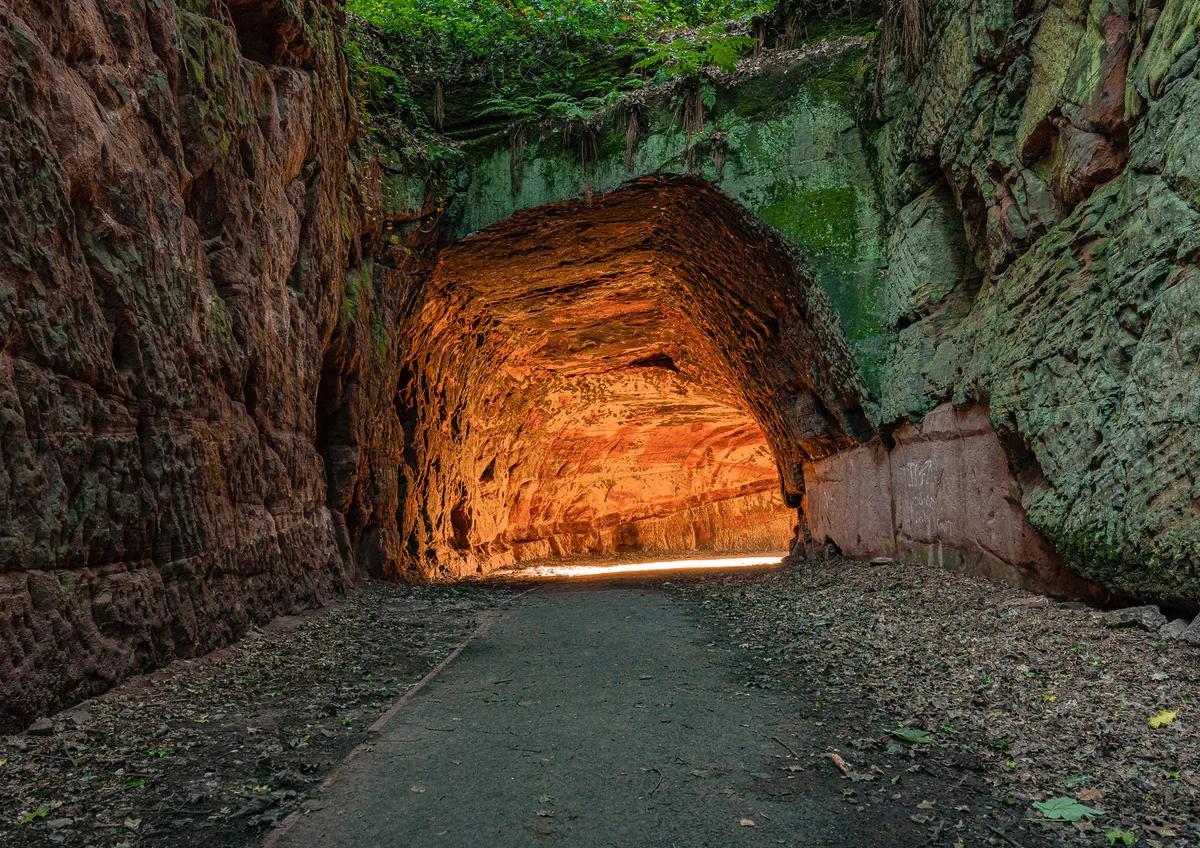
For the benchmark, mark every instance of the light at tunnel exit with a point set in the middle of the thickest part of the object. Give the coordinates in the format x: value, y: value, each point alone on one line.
x: 568, y: 570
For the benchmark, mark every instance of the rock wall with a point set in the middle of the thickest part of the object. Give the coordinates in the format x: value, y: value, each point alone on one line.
x: 1041, y: 172
x: 607, y: 375
x: 223, y: 391
x: 1011, y: 224
x: 752, y: 523
x: 180, y: 215
x: 942, y: 494
x: 782, y: 140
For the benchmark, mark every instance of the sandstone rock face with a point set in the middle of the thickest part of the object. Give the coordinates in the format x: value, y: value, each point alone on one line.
x: 177, y: 225
x: 943, y: 494
x: 783, y: 143
x: 223, y: 393
x: 1025, y: 239
x: 1066, y: 135
x: 616, y: 375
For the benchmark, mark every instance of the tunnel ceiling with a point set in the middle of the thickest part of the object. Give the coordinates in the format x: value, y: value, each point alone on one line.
x: 613, y: 374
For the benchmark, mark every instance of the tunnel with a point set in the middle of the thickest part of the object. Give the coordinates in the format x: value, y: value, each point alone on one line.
x: 648, y: 370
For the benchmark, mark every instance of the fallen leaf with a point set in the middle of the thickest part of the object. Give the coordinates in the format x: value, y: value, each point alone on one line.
x: 911, y: 734
x: 416, y: 788
x: 747, y: 823
x: 1065, y: 809
x: 1089, y: 794
x: 1163, y: 718
x: 925, y: 805
x: 921, y: 818
x: 40, y: 813
x: 1116, y: 835
x: 842, y: 765
x: 546, y: 814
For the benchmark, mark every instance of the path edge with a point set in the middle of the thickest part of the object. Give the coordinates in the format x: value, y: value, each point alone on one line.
x: 380, y: 723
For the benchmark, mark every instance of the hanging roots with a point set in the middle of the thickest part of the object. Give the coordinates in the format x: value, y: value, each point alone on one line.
x: 439, y: 106
x: 887, y: 41
x: 516, y: 156
x: 718, y: 153
x: 903, y: 18
x: 792, y: 28
x: 914, y: 36
x: 632, y: 134
x: 589, y: 154
x: 693, y: 114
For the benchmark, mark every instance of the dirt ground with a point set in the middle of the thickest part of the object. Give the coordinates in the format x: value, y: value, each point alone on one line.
x: 830, y: 703
x: 1042, y: 700
x: 214, y: 751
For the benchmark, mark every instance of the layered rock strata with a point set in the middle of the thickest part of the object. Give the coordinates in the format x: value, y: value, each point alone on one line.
x: 1049, y: 150
x: 222, y: 394
x: 1013, y: 223
x: 636, y: 372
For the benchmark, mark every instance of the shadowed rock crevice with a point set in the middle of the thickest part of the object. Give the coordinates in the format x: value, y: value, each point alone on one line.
x: 271, y: 32
x: 638, y: 372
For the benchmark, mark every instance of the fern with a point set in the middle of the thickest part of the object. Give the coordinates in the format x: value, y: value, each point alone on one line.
x: 684, y: 57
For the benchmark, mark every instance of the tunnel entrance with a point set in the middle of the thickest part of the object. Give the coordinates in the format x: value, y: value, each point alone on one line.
x: 648, y: 371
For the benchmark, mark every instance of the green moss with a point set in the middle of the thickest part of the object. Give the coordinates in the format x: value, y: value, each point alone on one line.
x: 26, y: 46
x: 350, y: 297
x: 823, y: 222
x: 360, y: 285
x: 1166, y: 572
x: 380, y: 337
x: 219, y: 340
x: 612, y: 140
x: 822, y: 29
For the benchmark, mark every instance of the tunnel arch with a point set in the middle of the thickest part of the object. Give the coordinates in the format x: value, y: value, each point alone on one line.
x: 648, y: 369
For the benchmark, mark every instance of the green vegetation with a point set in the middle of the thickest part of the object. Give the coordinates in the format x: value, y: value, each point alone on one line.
x: 534, y: 39
x: 449, y: 62
x: 912, y: 734
x: 685, y: 56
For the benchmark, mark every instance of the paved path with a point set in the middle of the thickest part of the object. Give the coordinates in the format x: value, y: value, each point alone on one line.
x: 591, y: 715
